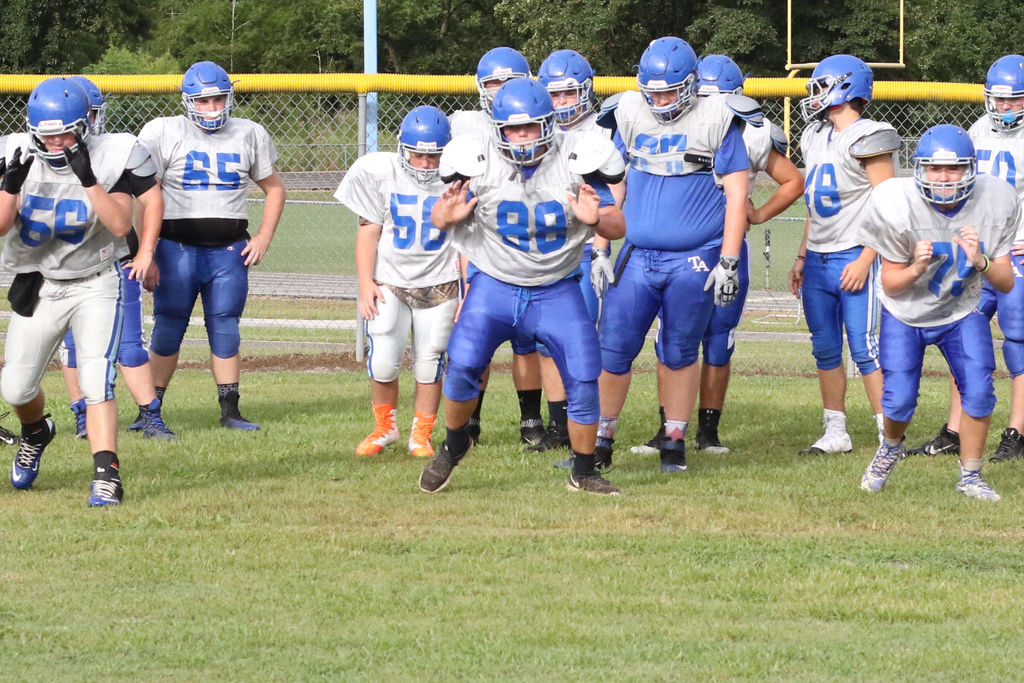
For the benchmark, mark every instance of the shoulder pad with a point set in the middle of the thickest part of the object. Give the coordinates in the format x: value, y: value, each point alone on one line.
x: 606, y: 117
x: 779, y: 141
x: 463, y: 157
x: 592, y: 152
x: 745, y: 108
x: 883, y: 141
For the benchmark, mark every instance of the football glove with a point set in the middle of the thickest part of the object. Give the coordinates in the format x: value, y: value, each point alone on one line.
x: 725, y: 279
x: 17, y: 171
x: 80, y: 162
x: 602, y: 273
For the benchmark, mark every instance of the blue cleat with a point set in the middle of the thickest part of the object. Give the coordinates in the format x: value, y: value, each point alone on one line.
x: 229, y: 415
x: 153, y: 426
x: 105, y: 492
x: 880, y: 466
x: 25, y: 467
x: 78, y: 410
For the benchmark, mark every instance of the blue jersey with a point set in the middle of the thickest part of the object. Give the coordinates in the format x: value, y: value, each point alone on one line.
x: 682, y: 212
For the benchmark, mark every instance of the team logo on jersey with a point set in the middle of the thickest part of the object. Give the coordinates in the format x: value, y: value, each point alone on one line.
x: 698, y: 265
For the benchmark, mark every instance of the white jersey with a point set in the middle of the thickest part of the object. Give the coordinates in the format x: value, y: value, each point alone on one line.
x: 1000, y: 153
x: 836, y: 188
x: 412, y: 252
x: 471, y: 122
x: 56, y: 231
x: 662, y: 148
x: 206, y: 175
x: 523, y: 230
x: 897, y: 217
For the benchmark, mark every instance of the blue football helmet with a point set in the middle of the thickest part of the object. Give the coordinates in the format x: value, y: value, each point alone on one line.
x: 668, y: 65
x: 97, y: 104
x: 57, y: 106
x: 945, y: 145
x: 568, y: 70
x: 424, y: 130
x: 718, y: 74
x: 499, y: 64
x: 1005, y: 80
x: 206, y: 79
x: 836, y: 79
x: 519, y: 102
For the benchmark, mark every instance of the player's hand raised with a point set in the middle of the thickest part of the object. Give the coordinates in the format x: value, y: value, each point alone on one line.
x: 80, y: 163
x: 922, y: 256
x: 586, y: 205
x: 968, y: 241
x: 16, y: 171
x: 453, y: 206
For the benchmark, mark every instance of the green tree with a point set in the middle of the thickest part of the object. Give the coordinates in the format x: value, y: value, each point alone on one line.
x: 54, y: 36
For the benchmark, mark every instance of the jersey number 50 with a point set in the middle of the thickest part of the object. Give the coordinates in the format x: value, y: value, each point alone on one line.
x: 69, y: 217
x: 548, y: 225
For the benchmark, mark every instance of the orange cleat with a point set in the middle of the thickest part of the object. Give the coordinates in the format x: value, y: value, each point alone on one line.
x: 384, y: 433
x: 419, y: 440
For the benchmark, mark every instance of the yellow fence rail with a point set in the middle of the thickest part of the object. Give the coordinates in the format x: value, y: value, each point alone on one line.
x: 159, y: 84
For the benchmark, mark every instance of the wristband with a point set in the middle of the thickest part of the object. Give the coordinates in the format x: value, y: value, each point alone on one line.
x: 800, y: 257
x: 988, y: 264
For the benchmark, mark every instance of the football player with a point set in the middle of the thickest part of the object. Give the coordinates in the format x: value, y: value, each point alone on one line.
x: 569, y: 80
x: 940, y: 234
x: 206, y: 160
x: 495, y: 68
x: 998, y: 138
x: 66, y: 205
x: 408, y: 273
x: 766, y: 149
x: 523, y: 203
x: 131, y: 354
x: 845, y: 155
x: 685, y: 212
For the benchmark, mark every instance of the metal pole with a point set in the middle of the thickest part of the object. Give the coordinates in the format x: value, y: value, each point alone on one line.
x: 361, y: 147
x: 370, y: 67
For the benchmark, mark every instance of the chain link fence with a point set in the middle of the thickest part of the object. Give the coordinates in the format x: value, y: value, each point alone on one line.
x: 302, y: 297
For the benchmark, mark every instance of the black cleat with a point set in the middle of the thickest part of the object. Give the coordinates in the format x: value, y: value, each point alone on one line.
x: 531, y: 432
x: 944, y: 443
x: 592, y: 483
x: 1011, y: 446
x: 556, y: 436
x: 438, y: 471
x: 673, y: 456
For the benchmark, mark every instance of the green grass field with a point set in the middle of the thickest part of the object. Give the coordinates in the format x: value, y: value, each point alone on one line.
x: 279, y: 555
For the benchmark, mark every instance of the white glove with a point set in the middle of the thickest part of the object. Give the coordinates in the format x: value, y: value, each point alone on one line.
x: 602, y: 273
x: 725, y: 279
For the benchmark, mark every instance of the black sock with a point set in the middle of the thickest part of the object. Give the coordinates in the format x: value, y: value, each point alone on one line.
x: 224, y: 389
x: 106, y: 465
x: 558, y: 412
x: 707, y: 420
x: 582, y: 464
x: 160, y: 393
x: 28, y: 430
x: 479, y: 406
x: 529, y: 404
x: 457, y: 441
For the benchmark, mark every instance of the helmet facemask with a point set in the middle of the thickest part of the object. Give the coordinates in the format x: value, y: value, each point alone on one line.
x: 944, y: 193
x: 424, y: 176
x: 686, y: 96
x: 1004, y: 120
x: 209, y: 121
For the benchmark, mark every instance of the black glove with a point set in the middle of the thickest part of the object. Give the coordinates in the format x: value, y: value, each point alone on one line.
x: 80, y: 163
x: 16, y: 172
x: 3, y: 166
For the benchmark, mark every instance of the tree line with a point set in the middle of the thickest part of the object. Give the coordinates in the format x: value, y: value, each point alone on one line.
x: 944, y: 41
